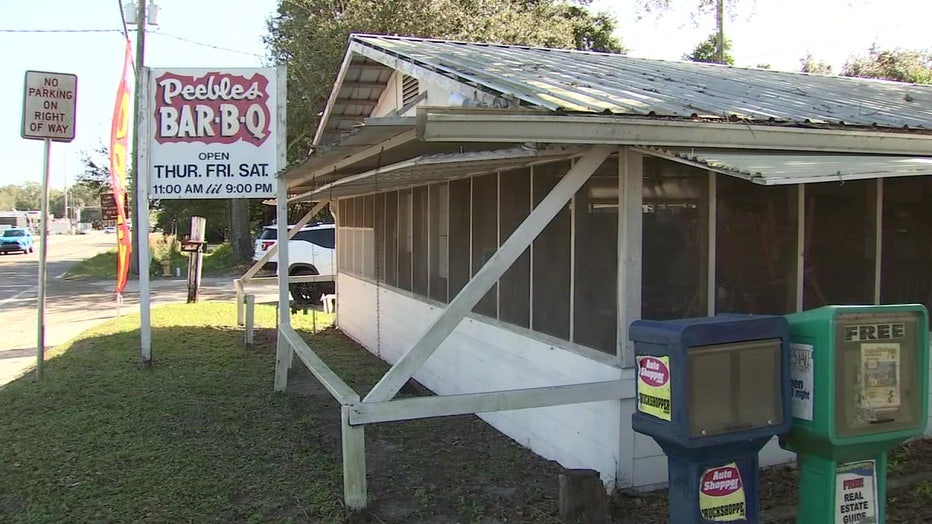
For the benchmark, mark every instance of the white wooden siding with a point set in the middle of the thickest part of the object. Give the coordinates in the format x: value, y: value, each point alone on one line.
x: 479, y: 357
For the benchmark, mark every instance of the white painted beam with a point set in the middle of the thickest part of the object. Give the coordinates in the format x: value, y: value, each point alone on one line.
x: 464, y: 301
x: 340, y: 390
x: 354, y: 462
x: 487, y: 402
x: 630, y: 229
x: 250, y: 319
x: 240, y: 311
x: 283, y: 350
x: 451, y: 125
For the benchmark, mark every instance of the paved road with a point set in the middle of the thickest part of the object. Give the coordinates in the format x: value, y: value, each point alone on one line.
x: 19, y: 273
x: 74, y: 306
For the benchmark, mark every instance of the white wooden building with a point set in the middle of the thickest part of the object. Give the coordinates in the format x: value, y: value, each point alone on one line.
x: 504, y: 213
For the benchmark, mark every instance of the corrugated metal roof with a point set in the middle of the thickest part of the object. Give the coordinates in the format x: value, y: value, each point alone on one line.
x: 769, y: 168
x: 437, y: 168
x: 578, y: 81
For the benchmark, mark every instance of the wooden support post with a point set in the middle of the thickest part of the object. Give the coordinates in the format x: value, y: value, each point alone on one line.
x: 240, y: 302
x: 195, y: 246
x: 250, y: 319
x: 583, y: 497
x: 283, y: 352
x: 354, y: 462
x: 284, y: 348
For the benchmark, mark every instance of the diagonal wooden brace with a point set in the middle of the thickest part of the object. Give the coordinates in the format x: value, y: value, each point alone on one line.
x: 486, y: 277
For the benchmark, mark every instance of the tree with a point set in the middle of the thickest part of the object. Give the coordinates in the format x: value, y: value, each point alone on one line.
x: 28, y: 197
x: 8, y: 195
x: 702, y: 7
x: 898, y: 64
x: 810, y: 65
x: 707, y: 51
x: 96, y: 172
x: 310, y: 37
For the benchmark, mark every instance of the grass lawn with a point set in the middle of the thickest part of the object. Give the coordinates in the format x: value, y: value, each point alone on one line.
x: 102, y: 266
x: 199, y: 437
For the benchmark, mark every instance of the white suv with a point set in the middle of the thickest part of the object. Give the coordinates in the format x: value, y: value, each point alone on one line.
x: 310, y: 252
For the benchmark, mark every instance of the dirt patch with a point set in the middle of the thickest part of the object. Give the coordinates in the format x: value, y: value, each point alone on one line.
x: 460, y: 469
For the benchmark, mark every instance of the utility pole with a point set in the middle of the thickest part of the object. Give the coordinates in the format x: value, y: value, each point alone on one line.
x: 720, y: 26
x: 140, y: 62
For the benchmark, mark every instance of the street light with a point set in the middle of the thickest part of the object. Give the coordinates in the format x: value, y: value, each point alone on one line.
x: 140, y: 15
x: 133, y: 12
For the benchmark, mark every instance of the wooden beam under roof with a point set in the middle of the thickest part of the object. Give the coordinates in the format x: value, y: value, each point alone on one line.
x: 369, y: 67
x: 356, y: 102
x: 362, y: 85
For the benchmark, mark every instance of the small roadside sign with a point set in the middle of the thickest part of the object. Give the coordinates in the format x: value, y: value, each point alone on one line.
x: 49, y: 101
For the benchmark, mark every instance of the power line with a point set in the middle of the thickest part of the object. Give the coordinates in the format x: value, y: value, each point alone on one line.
x: 154, y: 33
x: 61, y: 30
x: 212, y: 46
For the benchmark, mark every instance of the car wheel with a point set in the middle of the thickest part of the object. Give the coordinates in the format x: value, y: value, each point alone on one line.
x: 304, y: 293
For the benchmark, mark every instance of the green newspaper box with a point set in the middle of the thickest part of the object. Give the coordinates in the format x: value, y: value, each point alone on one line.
x: 859, y: 386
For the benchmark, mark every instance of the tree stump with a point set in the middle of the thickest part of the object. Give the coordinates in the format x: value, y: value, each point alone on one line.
x: 583, y: 497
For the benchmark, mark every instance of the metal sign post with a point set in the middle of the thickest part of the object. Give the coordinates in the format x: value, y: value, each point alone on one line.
x: 49, y: 101
x: 43, y: 250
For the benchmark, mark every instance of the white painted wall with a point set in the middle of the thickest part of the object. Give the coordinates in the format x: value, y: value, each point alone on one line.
x: 482, y: 357
x: 390, y: 99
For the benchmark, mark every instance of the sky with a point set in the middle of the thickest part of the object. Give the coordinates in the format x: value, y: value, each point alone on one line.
x: 84, y: 37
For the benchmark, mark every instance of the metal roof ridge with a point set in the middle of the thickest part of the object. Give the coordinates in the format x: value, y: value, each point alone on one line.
x: 368, y: 38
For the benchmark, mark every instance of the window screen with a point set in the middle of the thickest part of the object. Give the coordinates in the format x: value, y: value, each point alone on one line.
x: 907, y: 249
x: 460, y: 191
x: 405, y: 240
x: 551, y: 259
x: 515, y: 284
x: 756, y: 253
x: 839, y: 247
x: 420, y: 219
x: 485, y: 233
x: 391, y: 238
x: 439, y: 244
x: 595, y: 287
x: 675, y: 241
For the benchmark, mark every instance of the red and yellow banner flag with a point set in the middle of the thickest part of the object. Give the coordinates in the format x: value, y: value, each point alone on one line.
x: 119, y: 131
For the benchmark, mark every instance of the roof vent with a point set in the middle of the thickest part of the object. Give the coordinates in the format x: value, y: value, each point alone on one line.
x: 409, y: 89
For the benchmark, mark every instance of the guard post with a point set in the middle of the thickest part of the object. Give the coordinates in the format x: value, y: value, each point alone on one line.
x: 712, y: 391
x: 860, y: 386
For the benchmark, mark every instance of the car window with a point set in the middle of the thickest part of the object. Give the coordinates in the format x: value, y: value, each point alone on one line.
x: 14, y: 233
x: 268, y: 233
x: 321, y: 237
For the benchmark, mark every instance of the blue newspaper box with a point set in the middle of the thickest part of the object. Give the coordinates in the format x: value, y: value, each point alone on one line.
x: 712, y: 391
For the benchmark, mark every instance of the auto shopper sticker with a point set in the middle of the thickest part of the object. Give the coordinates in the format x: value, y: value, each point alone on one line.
x: 214, y: 133
x: 856, y: 492
x: 654, y: 386
x: 721, y: 494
